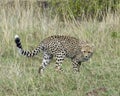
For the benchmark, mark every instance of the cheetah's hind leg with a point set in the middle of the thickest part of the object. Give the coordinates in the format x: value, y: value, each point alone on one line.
x: 46, y: 60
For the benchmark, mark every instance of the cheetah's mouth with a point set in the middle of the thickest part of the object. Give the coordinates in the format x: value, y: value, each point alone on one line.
x: 86, y: 58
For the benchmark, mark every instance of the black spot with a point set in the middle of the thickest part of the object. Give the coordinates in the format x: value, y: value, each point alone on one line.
x: 28, y: 53
x: 33, y: 54
x: 25, y: 53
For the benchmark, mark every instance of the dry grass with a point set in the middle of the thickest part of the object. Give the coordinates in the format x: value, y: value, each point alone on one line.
x: 18, y: 75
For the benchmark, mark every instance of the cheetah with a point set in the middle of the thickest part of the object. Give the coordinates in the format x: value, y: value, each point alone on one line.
x: 59, y: 46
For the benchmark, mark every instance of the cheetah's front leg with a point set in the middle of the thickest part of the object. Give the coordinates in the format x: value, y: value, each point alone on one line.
x: 59, y: 59
x: 76, y: 65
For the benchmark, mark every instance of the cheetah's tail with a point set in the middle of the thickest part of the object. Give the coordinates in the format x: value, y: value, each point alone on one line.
x: 24, y: 52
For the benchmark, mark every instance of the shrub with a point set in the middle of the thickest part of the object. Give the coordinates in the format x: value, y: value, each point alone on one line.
x: 84, y: 8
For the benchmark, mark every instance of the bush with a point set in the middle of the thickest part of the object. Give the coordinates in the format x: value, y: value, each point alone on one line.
x: 84, y: 8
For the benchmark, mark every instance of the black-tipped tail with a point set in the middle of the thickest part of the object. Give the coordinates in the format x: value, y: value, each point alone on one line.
x: 17, y: 41
x: 22, y: 51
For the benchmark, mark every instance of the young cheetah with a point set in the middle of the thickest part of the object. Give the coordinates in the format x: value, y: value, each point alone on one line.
x: 60, y: 47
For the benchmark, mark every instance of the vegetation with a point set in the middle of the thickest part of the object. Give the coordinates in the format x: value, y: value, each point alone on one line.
x: 81, y: 9
x: 19, y: 75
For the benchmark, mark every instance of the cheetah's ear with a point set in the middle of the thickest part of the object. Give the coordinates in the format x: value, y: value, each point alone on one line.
x: 93, y: 47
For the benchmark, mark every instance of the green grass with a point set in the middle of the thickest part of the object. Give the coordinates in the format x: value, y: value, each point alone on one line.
x: 19, y: 75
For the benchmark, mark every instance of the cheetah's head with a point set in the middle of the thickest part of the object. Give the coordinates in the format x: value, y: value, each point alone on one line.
x: 87, y: 51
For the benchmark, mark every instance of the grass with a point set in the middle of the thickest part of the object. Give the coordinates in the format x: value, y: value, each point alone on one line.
x: 19, y: 75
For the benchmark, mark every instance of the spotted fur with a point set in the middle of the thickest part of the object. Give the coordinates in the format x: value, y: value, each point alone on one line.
x: 60, y: 47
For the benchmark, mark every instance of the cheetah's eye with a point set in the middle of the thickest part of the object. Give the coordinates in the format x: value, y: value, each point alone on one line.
x: 84, y: 51
x: 89, y: 52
